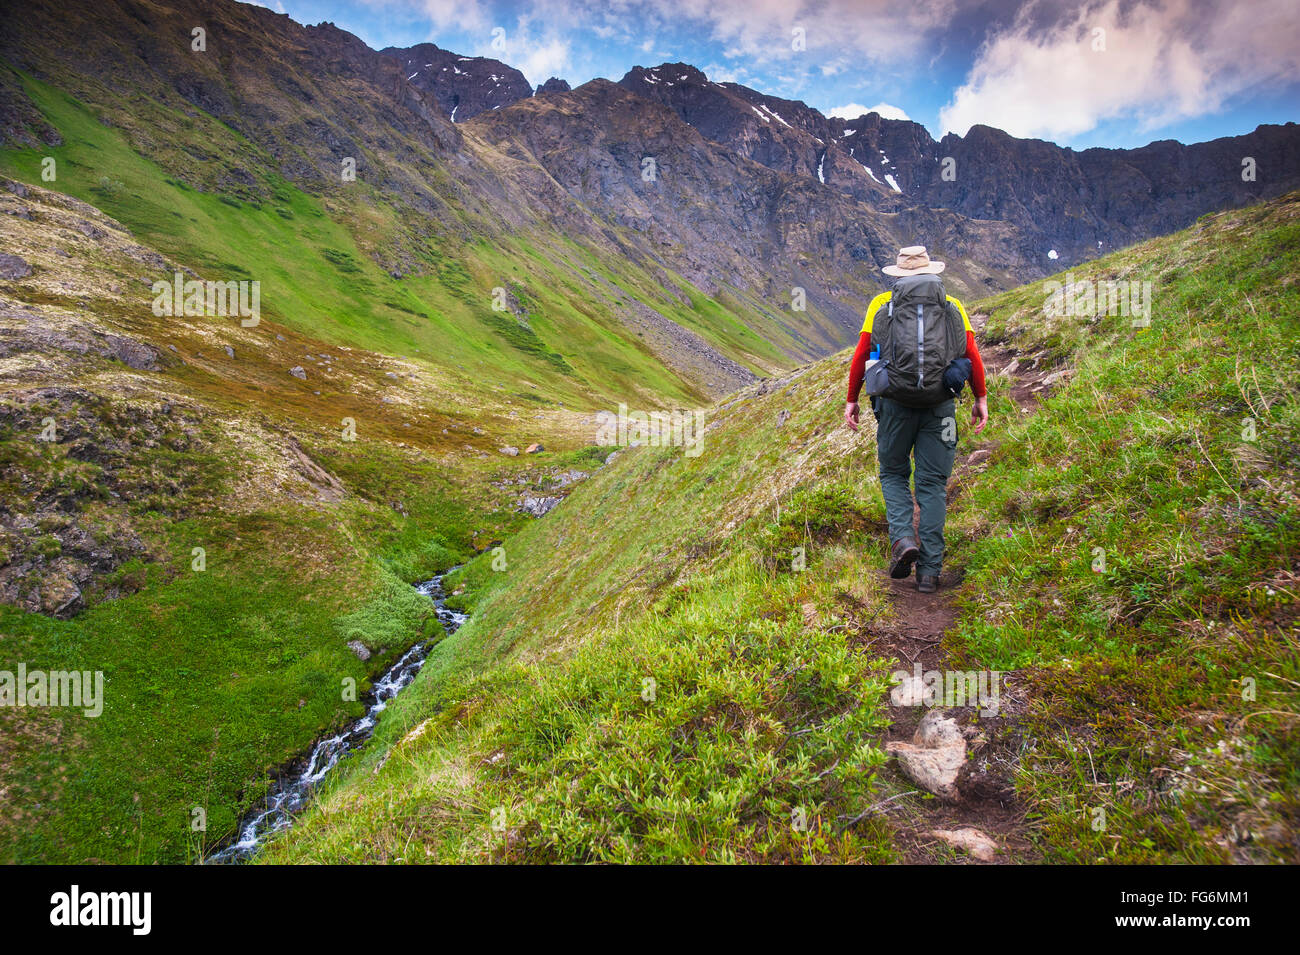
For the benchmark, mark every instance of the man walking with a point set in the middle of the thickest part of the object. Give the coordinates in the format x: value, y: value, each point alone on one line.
x: 921, y: 335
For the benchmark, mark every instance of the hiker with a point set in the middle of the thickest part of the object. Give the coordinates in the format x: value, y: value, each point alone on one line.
x: 924, y: 353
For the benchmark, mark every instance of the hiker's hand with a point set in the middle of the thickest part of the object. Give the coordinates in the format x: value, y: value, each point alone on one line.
x: 979, y: 415
x: 851, y: 415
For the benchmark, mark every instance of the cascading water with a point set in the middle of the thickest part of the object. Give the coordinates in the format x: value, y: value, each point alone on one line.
x: 291, y: 793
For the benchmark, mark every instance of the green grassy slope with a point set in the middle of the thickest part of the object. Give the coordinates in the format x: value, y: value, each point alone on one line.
x: 664, y: 567
x: 215, y: 671
x: 310, y: 254
x: 533, y: 734
x: 217, y: 676
x: 1165, y: 687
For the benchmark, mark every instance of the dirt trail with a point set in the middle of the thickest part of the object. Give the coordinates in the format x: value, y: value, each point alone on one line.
x: 920, y: 633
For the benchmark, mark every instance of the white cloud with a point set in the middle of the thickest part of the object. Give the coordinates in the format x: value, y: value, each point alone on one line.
x: 1161, y: 62
x: 723, y: 74
x: 540, y: 61
x: 849, y: 33
x: 851, y: 111
x: 854, y: 110
x: 839, y: 35
x: 539, y: 55
x: 889, y: 112
x: 762, y: 31
x: 468, y: 15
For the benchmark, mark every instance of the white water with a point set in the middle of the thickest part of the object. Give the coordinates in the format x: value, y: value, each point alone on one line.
x: 292, y: 792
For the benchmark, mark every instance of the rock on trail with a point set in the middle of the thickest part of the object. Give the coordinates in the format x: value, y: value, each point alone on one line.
x: 935, y: 756
x: 973, y: 841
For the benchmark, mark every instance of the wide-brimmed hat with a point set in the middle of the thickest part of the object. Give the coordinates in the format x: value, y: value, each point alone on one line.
x: 913, y: 260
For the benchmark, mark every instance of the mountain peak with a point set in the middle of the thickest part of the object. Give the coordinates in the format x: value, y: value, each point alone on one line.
x: 554, y: 85
x: 463, y: 86
x: 670, y: 74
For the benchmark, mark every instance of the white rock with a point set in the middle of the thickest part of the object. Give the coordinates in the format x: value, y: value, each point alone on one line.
x: 911, y: 692
x: 973, y: 841
x: 934, y: 757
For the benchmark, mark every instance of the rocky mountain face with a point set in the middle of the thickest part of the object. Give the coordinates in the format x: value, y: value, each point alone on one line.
x: 1074, y: 204
x: 724, y: 113
x: 725, y: 220
x: 554, y: 85
x: 751, y: 199
x: 308, y: 97
x: 462, y: 86
x: 1087, y: 202
x: 305, y: 101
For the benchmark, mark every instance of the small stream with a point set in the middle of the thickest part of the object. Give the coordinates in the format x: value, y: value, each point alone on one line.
x: 292, y: 791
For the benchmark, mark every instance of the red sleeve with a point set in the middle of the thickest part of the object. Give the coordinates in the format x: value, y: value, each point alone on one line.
x: 858, y: 366
x: 976, y: 367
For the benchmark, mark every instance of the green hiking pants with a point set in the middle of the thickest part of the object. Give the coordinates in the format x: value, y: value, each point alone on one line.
x: 929, y: 435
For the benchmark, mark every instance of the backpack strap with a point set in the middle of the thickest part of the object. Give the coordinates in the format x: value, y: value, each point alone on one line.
x: 893, y: 336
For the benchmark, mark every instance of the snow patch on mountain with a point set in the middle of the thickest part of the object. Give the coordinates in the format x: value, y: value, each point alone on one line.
x: 775, y: 116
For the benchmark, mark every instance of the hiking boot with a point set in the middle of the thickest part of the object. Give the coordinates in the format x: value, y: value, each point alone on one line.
x: 927, y: 583
x: 901, y: 557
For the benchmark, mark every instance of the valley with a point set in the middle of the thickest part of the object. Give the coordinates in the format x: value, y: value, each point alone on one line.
x: 247, y: 402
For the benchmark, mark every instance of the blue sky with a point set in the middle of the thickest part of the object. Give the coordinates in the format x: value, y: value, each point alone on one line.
x: 1109, y: 73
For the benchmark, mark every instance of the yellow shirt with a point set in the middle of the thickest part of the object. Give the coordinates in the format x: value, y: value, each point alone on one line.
x: 880, y: 300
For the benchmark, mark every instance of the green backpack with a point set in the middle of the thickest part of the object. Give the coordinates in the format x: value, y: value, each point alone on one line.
x: 919, y: 334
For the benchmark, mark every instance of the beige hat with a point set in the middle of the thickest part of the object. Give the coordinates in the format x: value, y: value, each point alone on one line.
x: 913, y: 260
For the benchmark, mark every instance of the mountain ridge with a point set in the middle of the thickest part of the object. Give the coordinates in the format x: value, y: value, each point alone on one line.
x: 1054, y: 194
x: 993, y: 228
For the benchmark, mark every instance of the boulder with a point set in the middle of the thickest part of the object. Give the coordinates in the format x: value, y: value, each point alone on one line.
x: 297, y: 372
x: 60, y: 597
x: 14, y: 267
x: 565, y: 478
x: 539, y: 506
x: 360, y: 649
x: 935, y: 756
x: 131, y: 353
